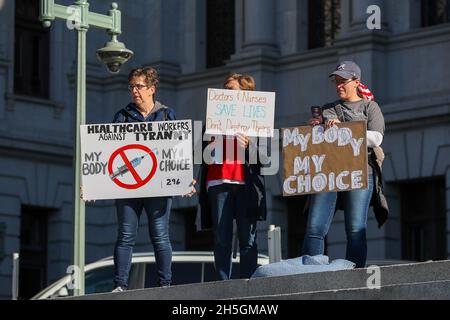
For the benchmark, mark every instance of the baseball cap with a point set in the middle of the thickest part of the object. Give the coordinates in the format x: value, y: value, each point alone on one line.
x: 347, y: 70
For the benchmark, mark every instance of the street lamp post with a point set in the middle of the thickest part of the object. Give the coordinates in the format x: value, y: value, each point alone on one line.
x: 114, y: 54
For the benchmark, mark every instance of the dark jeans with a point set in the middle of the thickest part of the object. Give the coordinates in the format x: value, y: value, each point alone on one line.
x: 321, y: 212
x: 228, y: 201
x: 128, y: 214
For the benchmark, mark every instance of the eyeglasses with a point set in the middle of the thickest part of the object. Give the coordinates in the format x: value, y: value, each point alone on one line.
x: 137, y: 86
x: 341, y: 81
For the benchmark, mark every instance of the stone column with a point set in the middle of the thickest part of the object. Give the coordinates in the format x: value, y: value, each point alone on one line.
x: 345, y: 18
x: 160, y: 44
x: 256, y: 41
x: 358, y: 16
x: 292, y: 26
x: 403, y: 16
x: 258, y: 33
x: 160, y: 36
x: 369, y: 50
x: 194, y: 35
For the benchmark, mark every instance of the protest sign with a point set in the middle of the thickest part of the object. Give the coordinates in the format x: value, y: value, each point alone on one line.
x: 136, y: 160
x: 323, y: 160
x: 232, y: 111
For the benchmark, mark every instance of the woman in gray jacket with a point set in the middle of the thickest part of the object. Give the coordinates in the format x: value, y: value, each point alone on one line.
x: 351, y: 106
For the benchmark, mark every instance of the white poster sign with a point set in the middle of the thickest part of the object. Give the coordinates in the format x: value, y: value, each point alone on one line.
x: 136, y: 160
x: 248, y: 112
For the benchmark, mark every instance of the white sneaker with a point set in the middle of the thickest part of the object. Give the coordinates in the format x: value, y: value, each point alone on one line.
x: 119, y: 289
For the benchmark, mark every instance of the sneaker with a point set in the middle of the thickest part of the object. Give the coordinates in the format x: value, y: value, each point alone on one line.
x: 119, y: 289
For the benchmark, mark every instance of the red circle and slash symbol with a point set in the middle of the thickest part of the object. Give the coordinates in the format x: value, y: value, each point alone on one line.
x: 139, y: 181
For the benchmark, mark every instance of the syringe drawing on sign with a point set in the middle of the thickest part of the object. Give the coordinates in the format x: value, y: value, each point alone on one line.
x: 140, y: 175
x: 124, y: 168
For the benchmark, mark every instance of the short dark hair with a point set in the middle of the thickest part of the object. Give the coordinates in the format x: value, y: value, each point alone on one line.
x: 150, y: 75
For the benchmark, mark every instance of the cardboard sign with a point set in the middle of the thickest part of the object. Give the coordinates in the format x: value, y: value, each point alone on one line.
x: 323, y: 160
x: 232, y: 111
x: 136, y: 160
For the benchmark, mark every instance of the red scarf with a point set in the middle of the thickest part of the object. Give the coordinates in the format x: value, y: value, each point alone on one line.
x: 365, y: 92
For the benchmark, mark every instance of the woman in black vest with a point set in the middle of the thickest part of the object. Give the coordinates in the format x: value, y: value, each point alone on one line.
x: 233, y: 189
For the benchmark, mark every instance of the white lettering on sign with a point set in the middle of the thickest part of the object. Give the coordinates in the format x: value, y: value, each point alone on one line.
x: 317, y: 183
x: 301, y: 165
x: 318, y: 162
x: 320, y: 159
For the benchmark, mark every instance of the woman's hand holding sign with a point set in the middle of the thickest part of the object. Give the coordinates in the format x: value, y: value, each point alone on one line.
x: 193, y: 190
x: 81, y: 196
x: 243, y: 140
x: 328, y: 124
x: 331, y: 122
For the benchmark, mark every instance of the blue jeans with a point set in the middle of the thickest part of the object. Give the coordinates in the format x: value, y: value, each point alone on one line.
x: 128, y: 214
x: 228, y: 201
x: 321, y: 212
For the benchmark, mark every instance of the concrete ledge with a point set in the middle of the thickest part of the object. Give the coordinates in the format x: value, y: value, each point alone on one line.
x: 434, y: 290
x: 428, y: 280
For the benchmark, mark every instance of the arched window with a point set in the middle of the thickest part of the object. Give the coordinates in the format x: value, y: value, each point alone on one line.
x: 220, y: 31
x: 324, y: 20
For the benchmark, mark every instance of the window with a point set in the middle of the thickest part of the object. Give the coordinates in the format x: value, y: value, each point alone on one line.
x: 435, y: 12
x: 33, y: 251
x: 423, y: 221
x: 31, y: 51
x: 220, y: 32
x: 324, y: 20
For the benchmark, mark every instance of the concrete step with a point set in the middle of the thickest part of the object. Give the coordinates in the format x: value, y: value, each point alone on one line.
x: 432, y: 290
x: 415, y: 281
